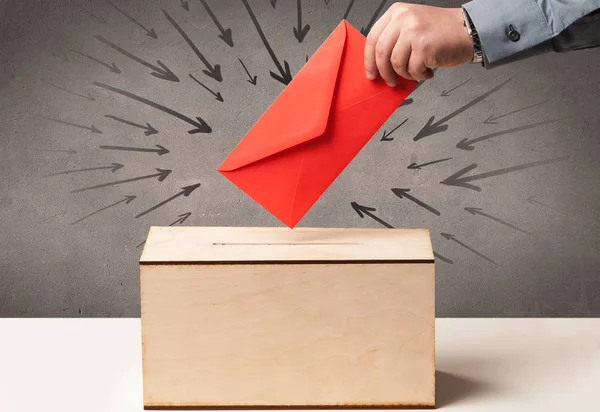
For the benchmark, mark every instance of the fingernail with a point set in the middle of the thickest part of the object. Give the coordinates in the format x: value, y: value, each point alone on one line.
x: 392, y: 83
x: 370, y: 75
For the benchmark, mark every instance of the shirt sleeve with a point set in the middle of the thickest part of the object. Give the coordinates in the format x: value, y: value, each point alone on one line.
x: 510, y: 27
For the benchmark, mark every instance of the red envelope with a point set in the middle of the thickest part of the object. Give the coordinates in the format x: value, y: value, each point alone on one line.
x: 314, y: 128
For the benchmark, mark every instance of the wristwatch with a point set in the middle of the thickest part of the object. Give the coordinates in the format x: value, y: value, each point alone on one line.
x: 477, y: 50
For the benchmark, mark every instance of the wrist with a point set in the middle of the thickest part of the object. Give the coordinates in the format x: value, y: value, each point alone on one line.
x: 475, y: 42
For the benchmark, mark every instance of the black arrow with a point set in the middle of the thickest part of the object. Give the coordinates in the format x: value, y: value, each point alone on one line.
x: 403, y: 193
x: 69, y: 151
x: 533, y: 201
x: 160, y: 151
x: 93, y: 129
x: 284, y: 76
x: 327, y: 2
x: 366, y: 211
x: 451, y: 237
x: 217, y: 95
x: 150, y: 32
x: 113, y: 168
x: 300, y: 32
x: 416, y: 166
x: 162, y: 72
x: 201, y: 125
x: 127, y: 200
x: 162, y: 175
x: 442, y: 258
x: 478, y: 211
x: 113, y: 68
x: 88, y: 97
x: 432, y: 128
x: 385, y: 136
x: 182, y: 218
x: 457, y: 180
x: 214, y: 72
x: 185, y: 5
x: 148, y: 130
x: 61, y: 56
x: 273, y: 3
x: 252, y: 79
x: 492, y: 119
x: 466, y: 144
x: 366, y: 30
x: 347, y: 10
x: 447, y: 92
x: 185, y: 191
x: 225, y: 33
x: 98, y: 19
x: 541, y: 146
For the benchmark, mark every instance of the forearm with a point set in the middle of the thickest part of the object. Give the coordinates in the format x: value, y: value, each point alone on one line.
x: 514, y: 29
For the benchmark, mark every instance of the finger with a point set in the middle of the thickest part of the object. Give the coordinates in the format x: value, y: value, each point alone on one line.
x: 372, y: 38
x: 400, y: 58
x: 416, y: 67
x: 383, y: 53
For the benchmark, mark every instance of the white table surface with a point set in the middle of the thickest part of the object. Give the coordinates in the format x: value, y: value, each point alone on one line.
x: 94, y: 365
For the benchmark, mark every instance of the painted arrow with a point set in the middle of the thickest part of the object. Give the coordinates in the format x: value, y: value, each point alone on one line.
x: 211, y: 71
x: 162, y: 72
x: 225, y: 33
x: 453, y: 238
x: 367, y: 211
x: 200, y: 125
x: 160, y: 151
x: 69, y: 151
x: 478, y: 211
x: 182, y: 218
x: 252, y: 79
x: 127, y: 200
x: 148, y: 130
x: 446, y: 93
x: 300, y: 31
x: 466, y: 144
x: 61, y: 56
x: 92, y: 129
x: 492, y: 119
x: 366, y: 30
x: 150, y: 33
x: 416, y: 166
x: 385, y: 137
x: 284, y: 76
x: 217, y: 95
x: 431, y: 128
x: 348, y: 10
x: 409, y: 101
x: 458, y: 179
x: 88, y: 97
x: 113, y: 68
x: 113, y: 168
x: 403, y: 193
x: 185, y: 191
x: 534, y: 201
x: 162, y: 175
x: 273, y: 3
x: 327, y: 2
x: 185, y: 5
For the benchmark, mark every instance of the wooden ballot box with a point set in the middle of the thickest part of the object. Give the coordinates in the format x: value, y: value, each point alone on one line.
x: 279, y: 317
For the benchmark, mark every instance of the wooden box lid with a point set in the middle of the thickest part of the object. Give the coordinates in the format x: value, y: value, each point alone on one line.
x: 194, y: 244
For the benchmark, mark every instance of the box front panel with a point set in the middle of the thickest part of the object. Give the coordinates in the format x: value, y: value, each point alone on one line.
x: 322, y: 334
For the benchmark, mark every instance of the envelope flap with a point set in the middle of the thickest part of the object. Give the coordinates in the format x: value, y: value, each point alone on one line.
x: 300, y: 113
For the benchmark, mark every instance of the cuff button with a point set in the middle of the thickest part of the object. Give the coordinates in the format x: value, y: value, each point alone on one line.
x: 513, y: 35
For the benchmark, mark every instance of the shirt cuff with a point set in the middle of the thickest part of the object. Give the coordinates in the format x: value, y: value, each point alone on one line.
x: 506, y: 27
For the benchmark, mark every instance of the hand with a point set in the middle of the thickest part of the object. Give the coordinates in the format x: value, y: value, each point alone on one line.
x: 409, y: 39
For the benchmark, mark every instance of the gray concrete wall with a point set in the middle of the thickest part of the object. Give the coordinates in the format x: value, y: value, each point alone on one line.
x: 530, y: 249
